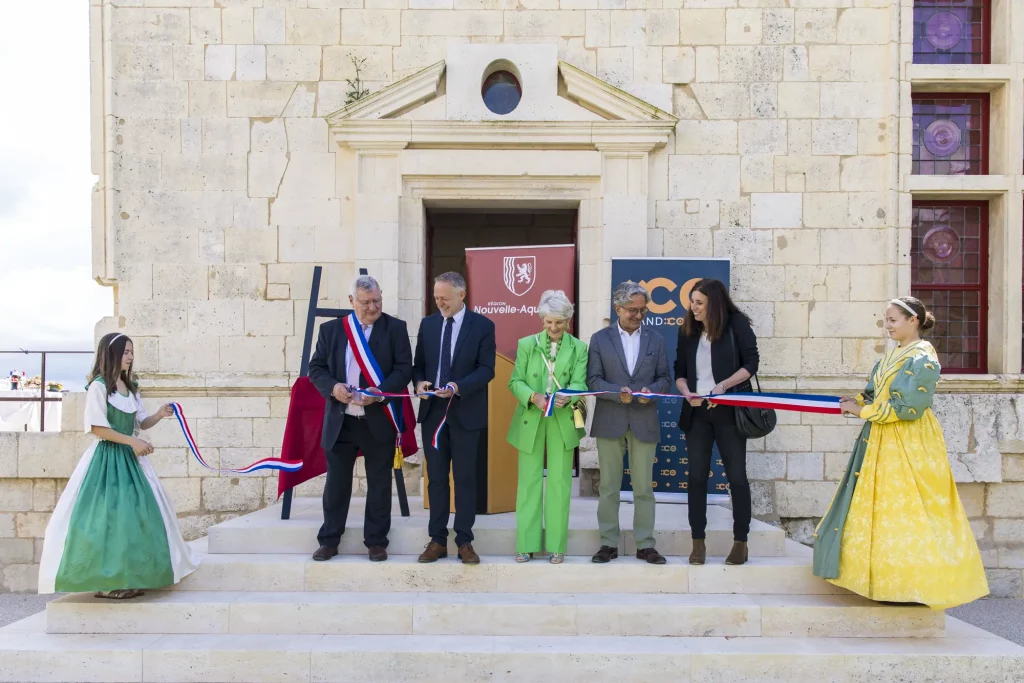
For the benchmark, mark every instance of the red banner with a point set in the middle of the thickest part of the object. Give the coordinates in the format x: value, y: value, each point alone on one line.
x: 505, y: 284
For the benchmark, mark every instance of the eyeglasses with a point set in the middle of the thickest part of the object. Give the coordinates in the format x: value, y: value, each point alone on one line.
x: 372, y: 302
x: 636, y: 311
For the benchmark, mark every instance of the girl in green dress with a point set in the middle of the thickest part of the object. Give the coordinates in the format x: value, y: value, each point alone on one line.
x: 114, y: 530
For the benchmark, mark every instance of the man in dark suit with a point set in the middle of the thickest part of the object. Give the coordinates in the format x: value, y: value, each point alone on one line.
x: 354, y: 422
x: 455, y: 352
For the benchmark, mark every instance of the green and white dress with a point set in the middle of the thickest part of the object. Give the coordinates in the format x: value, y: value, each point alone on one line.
x: 114, y: 526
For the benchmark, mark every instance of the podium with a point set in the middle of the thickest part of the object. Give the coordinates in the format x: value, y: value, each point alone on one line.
x: 497, y: 466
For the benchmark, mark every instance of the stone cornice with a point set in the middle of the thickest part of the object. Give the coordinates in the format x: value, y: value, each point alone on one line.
x: 395, y: 99
x: 606, y: 100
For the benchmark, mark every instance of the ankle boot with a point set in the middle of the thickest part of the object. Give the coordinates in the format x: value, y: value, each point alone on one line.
x: 738, y: 554
x: 699, y: 552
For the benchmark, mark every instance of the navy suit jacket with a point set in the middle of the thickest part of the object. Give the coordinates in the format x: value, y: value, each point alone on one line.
x: 389, y: 343
x: 472, y: 367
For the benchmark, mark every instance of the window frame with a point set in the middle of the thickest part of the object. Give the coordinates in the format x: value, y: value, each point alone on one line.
x: 986, y: 36
x: 986, y: 127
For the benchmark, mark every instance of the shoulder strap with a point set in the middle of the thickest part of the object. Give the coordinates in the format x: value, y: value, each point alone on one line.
x: 756, y: 385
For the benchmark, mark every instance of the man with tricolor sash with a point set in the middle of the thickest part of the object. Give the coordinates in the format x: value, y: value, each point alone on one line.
x: 364, y: 354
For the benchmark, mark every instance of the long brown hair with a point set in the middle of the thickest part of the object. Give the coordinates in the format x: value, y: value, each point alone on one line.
x: 107, y: 365
x: 720, y: 307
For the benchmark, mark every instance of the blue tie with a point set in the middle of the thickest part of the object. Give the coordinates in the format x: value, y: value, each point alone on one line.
x: 446, y: 352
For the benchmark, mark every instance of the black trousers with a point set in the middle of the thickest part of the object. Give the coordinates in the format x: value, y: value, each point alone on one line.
x: 456, y: 453
x: 712, y: 426
x: 379, y: 459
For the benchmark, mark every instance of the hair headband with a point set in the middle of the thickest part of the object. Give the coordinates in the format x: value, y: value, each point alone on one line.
x: 116, y: 338
x: 904, y: 305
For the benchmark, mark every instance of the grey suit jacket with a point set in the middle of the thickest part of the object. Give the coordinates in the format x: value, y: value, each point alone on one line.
x: 607, y: 371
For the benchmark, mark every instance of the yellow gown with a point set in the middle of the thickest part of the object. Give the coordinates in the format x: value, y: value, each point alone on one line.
x: 896, y: 530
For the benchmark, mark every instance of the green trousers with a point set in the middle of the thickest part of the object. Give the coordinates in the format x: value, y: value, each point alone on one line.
x: 554, y: 508
x: 610, y: 453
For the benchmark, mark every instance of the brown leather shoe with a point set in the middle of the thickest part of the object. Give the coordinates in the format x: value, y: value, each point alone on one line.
x: 377, y: 553
x: 433, y: 552
x: 651, y: 555
x: 738, y: 554
x: 468, y: 555
x: 606, y: 553
x: 325, y: 552
x: 699, y: 553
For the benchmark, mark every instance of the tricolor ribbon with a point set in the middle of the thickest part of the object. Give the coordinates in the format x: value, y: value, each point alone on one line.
x: 422, y: 394
x: 264, y: 464
x: 801, y: 403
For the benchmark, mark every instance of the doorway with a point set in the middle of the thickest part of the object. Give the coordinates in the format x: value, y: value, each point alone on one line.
x: 449, y: 232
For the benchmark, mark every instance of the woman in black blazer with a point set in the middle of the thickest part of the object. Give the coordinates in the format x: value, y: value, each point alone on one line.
x: 716, y: 353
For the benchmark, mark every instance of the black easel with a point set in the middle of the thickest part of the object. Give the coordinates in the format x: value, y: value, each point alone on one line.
x: 307, y: 344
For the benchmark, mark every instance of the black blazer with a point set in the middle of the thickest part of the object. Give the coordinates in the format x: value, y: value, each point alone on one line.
x: 472, y: 367
x: 725, y: 361
x: 389, y: 343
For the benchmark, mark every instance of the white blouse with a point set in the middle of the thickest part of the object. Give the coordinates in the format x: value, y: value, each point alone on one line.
x: 96, y: 399
x: 705, y: 375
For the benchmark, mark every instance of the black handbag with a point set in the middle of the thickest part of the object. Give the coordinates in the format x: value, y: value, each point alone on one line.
x: 752, y: 423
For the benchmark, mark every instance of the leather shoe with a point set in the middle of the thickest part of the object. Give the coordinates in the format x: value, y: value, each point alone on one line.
x: 606, y: 553
x: 377, y: 553
x: 433, y: 552
x: 739, y: 553
x: 325, y: 552
x: 651, y: 555
x: 468, y: 555
x: 699, y: 553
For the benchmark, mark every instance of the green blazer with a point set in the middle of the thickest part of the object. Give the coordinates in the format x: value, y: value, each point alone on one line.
x: 531, y: 375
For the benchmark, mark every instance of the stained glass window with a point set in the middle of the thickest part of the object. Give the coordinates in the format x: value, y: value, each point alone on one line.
x: 952, y: 31
x: 949, y: 273
x: 950, y: 134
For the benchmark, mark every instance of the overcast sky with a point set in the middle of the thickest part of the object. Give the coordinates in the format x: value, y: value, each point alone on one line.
x: 47, y: 296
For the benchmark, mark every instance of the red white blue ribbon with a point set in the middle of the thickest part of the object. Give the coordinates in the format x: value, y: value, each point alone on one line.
x: 368, y: 365
x: 264, y: 464
x: 801, y: 403
x: 422, y: 394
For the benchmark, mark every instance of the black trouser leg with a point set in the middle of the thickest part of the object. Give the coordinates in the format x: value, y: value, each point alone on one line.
x: 439, y: 462
x: 732, y: 446
x: 338, y: 487
x: 700, y: 441
x: 464, y: 444
x: 378, y: 460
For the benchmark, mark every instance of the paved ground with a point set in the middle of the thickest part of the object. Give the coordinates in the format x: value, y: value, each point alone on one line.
x: 1005, y: 618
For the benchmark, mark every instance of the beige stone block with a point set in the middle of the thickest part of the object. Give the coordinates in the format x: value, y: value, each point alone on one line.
x: 31, y: 524
x: 864, y: 174
x: 185, y: 494
x: 803, y: 498
x: 798, y: 100
x: 189, y: 354
x: 1005, y: 500
x: 857, y: 26
x: 252, y: 354
x: 760, y: 283
x: 297, y: 244
x: 150, y: 99
x: 872, y: 282
x: 293, y: 62
x: 338, y: 62
x: 528, y: 24
x: 9, y: 452
x: 705, y: 177
x: 825, y: 209
x: 312, y: 26
x: 219, y: 432
x: 170, y: 462
x: 16, y: 495
x: 789, y: 438
x: 723, y: 100
x: 755, y: 64
x: 189, y: 62
x: 225, y: 136
x: 269, y: 25
x: 206, y: 99
x: 615, y: 65
x: 21, y: 578
x: 874, y: 136
x: 756, y: 173
x: 237, y: 25
x: 764, y: 100
x: 805, y: 466
x: 692, y: 214
x: 6, y: 525
x: 662, y: 27
x: 767, y: 467
x: 268, y: 136
x: 702, y: 26
x: 690, y: 243
x: 762, y: 137
x: 266, y: 171
x: 800, y: 137
x: 852, y: 247
x: 796, y: 247
x: 308, y: 175
x: 819, y: 356
x: 844, y: 319
x: 458, y: 23
x: 235, y: 494
x: 279, y: 406
x: 816, y: 25
x: 854, y: 100
x: 268, y: 432
x: 290, y: 212
x: 869, y: 210
x: 744, y: 246
x: 777, y: 26
x: 147, y: 136
x: 205, y: 26
x: 707, y: 64
x: 258, y: 98
x: 679, y: 64
x: 16, y: 551
x: 598, y: 29
x: 250, y: 246
x: 872, y: 63
x: 144, y: 62
x: 628, y: 28
x: 647, y: 65
x: 251, y: 62
x: 220, y: 62
x: 791, y: 318
x: 180, y: 281
x: 972, y: 497
x: 278, y: 292
x: 776, y: 210
x: 203, y: 172
x: 795, y: 66
x: 834, y: 137
x: 268, y: 318
x: 828, y: 63
x: 372, y: 27
x: 148, y: 26
x: 238, y: 281
x: 743, y: 26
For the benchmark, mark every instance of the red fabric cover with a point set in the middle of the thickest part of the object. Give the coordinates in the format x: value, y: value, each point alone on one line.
x: 302, y: 432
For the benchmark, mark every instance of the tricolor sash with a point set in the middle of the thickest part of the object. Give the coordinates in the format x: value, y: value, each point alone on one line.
x: 368, y: 366
x: 801, y: 403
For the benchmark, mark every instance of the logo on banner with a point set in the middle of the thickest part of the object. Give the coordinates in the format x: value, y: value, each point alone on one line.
x: 520, y: 273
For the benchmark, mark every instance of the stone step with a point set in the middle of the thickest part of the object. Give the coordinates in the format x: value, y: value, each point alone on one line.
x: 967, y: 654
x: 786, y: 575
x: 494, y: 614
x: 265, y: 532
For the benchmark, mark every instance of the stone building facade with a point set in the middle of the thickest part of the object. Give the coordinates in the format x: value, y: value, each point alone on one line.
x: 823, y: 145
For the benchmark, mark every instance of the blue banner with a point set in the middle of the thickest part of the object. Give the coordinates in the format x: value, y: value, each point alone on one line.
x: 669, y: 281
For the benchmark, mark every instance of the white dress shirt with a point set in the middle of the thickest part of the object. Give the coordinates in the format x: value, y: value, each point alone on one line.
x: 705, y: 376
x: 631, y: 346
x: 456, y: 326
x: 352, y: 373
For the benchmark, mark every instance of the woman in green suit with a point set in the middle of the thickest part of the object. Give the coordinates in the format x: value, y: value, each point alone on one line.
x: 545, y: 363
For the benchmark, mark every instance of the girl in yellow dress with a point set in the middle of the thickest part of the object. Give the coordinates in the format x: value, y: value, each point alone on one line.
x: 896, y: 531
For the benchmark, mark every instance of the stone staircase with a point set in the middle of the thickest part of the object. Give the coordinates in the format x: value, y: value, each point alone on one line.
x: 258, y: 609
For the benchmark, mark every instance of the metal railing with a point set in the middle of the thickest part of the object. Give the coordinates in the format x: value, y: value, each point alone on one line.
x: 42, y: 399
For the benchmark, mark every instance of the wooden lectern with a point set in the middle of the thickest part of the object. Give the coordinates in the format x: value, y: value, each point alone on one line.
x: 498, y: 462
